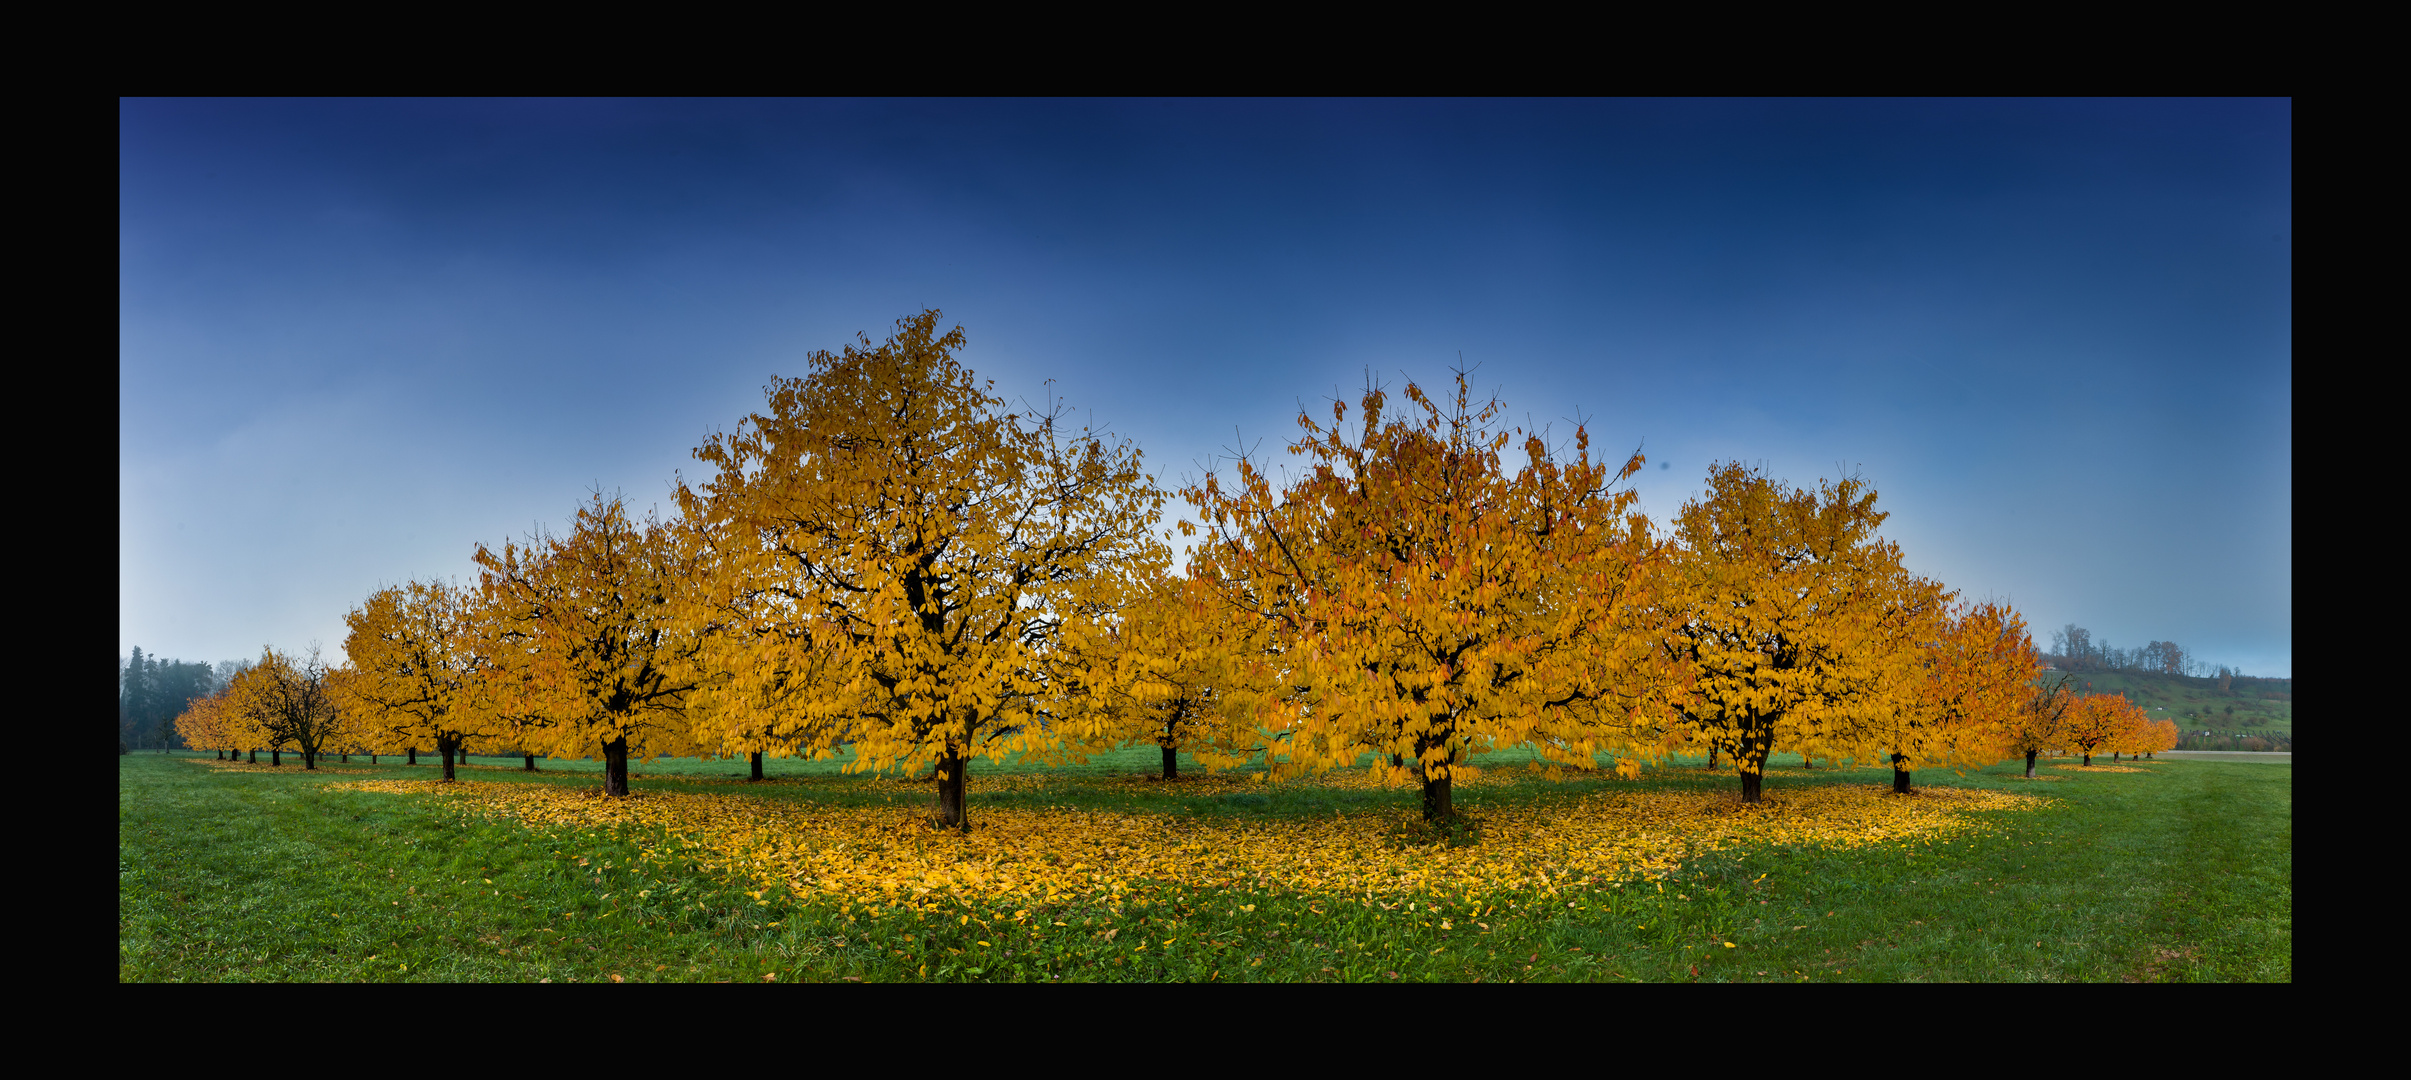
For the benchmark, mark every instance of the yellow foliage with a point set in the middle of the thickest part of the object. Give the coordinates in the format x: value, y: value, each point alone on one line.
x: 592, y: 654
x: 2104, y: 723
x: 1426, y: 602
x: 286, y: 703
x: 414, y: 663
x: 207, y: 724
x: 894, y: 554
x: 1972, y: 692
x: 1175, y: 668
x: 1796, y: 624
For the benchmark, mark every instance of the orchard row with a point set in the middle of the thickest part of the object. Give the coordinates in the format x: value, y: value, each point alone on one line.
x: 890, y: 563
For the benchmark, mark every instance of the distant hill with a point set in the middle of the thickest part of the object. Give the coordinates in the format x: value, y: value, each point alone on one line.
x: 2248, y: 709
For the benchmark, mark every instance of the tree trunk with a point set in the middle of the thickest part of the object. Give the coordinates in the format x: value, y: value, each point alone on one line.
x: 2113, y: 757
x: 2029, y: 764
x: 276, y: 758
x: 615, y: 767
x: 1711, y: 759
x: 1900, y: 776
x: 344, y: 758
x: 1752, y: 784
x: 1171, y: 762
x: 531, y: 763
x: 757, y: 765
x: 1805, y: 763
x: 221, y: 755
x: 414, y: 756
x: 1439, y: 798
x: 309, y: 758
x: 255, y: 756
x: 952, y: 774
x: 445, y: 746
x: 2088, y: 758
x: 372, y: 759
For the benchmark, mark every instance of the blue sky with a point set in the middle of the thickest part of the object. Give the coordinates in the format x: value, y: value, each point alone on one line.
x: 355, y: 338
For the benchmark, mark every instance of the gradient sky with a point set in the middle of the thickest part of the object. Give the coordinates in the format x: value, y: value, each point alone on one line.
x: 355, y: 338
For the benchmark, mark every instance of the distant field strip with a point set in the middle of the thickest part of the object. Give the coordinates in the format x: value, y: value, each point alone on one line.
x: 887, y: 855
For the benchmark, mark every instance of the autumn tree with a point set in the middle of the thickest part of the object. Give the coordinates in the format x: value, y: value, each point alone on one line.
x: 1175, y: 668
x: 204, y: 725
x: 1430, y: 603
x: 593, y: 616
x: 2040, y: 724
x: 943, y: 540
x: 1795, y: 622
x: 2135, y: 734
x: 2096, y: 720
x: 771, y: 675
x: 1973, y: 678
x: 412, y: 661
x: 2164, y: 737
x: 501, y: 694
x: 286, y: 701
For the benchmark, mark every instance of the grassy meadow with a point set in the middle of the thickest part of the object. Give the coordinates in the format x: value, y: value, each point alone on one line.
x: 2167, y: 871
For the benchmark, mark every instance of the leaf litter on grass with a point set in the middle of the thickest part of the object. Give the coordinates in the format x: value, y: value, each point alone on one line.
x: 1575, y: 841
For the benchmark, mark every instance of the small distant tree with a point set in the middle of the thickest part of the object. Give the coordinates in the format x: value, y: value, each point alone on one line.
x: 770, y: 673
x: 287, y: 699
x: 2164, y: 737
x: 2140, y: 735
x: 2098, y: 720
x: 203, y: 725
x: 1178, y: 669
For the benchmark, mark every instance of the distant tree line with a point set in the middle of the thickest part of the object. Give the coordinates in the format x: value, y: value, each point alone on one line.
x: 2073, y: 648
x: 153, y: 690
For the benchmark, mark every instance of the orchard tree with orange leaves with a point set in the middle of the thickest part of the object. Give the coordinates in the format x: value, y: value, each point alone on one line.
x: 2164, y: 737
x: 889, y: 504
x: 1794, y: 623
x: 205, y: 725
x: 2097, y: 720
x: 285, y: 701
x: 1428, y: 602
x: 1174, y: 668
x: 2040, y: 724
x: 770, y: 673
x: 414, y: 665
x: 604, y: 663
x: 1974, y: 681
x: 2138, y: 734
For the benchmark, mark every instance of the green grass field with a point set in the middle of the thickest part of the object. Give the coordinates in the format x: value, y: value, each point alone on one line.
x: 2183, y: 872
